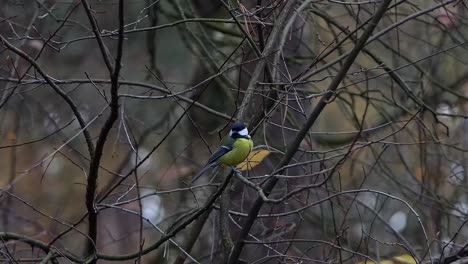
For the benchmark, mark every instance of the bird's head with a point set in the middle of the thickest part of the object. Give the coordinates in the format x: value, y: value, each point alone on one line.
x: 239, y: 130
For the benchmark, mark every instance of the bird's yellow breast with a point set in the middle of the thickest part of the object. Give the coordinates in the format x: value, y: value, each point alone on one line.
x: 240, y: 150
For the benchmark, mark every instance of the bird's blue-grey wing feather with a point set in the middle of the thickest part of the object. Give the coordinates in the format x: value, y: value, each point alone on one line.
x: 213, y: 160
x: 202, y: 171
x: 219, y: 153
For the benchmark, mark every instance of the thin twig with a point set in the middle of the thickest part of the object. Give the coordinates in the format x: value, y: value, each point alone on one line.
x: 56, y: 88
x: 259, y: 68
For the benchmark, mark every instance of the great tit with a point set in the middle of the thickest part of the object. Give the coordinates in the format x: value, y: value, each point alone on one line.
x: 233, y: 150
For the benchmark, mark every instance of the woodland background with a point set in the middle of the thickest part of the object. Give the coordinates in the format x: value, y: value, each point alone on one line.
x: 358, y: 111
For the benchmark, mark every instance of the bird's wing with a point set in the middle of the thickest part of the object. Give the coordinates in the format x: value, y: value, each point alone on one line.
x: 202, y: 171
x: 219, y: 153
x: 212, y: 162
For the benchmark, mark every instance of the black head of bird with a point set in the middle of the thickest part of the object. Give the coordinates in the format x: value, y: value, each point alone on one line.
x: 239, y: 130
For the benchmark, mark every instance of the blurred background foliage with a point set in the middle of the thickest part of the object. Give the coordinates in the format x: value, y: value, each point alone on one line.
x: 390, y: 147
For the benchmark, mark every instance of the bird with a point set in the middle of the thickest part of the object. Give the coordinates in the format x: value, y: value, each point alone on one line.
x: 234, y: 149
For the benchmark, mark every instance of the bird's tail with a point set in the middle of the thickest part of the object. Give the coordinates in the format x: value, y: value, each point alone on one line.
x: 202, y: 171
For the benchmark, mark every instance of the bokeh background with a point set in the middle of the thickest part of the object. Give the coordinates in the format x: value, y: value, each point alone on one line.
x: 381, y: 175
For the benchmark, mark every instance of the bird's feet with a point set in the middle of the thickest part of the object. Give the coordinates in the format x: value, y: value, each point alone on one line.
x: 236, y: 171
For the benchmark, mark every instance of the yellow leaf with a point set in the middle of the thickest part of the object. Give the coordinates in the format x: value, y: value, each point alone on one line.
x: 407, y: 259
x: 255, y: 157
x: 372, y: 262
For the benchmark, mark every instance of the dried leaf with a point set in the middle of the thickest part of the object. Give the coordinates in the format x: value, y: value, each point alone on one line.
x: 381, y: 262
x: 255, y: 157
x: 402, y: 259
x: 407, y: 259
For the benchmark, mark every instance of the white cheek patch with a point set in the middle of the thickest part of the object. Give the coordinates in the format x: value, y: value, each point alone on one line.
x: 244, y: 132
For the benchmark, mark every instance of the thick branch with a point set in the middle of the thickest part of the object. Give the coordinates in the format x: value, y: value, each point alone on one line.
x: 104, y: 50
x: 114, y: 111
